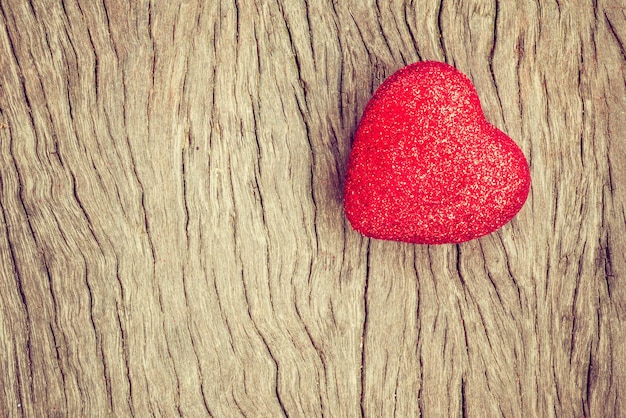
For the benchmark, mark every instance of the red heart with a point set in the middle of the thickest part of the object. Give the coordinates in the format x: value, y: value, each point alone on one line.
x: 426, y: 167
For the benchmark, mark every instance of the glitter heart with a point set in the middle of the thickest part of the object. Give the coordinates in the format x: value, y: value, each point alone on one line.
x: 426, y: 167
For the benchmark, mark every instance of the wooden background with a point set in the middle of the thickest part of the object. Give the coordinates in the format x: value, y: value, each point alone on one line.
x: 172, y: 235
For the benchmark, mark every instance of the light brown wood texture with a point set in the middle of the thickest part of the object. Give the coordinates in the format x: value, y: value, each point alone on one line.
x: 172, y: 235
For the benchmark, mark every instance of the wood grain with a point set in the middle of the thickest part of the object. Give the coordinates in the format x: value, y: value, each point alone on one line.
x: 172, y: 236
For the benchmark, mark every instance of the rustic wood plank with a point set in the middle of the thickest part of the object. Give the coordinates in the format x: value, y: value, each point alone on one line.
x: 172, y: 236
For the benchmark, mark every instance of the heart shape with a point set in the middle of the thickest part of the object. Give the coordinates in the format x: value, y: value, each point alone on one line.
x: 426, y: 167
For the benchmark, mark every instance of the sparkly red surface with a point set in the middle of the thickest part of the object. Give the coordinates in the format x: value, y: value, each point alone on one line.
x: 426, y: 167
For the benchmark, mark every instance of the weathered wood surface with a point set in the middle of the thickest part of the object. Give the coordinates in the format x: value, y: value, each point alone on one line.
x: 172, y: 239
